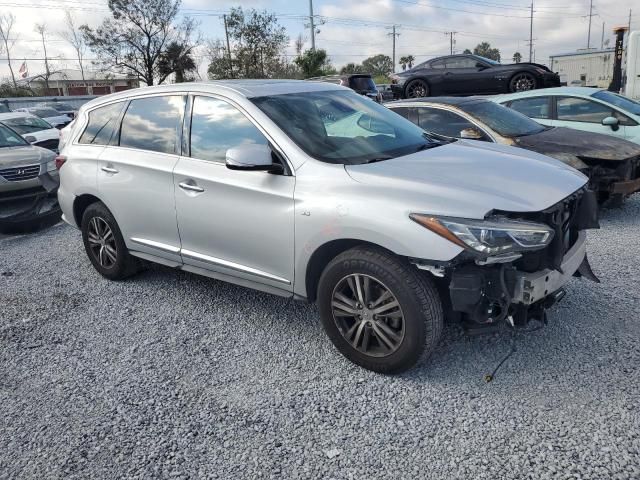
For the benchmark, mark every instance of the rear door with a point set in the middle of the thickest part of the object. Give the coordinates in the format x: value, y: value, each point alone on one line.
x: 536, y: 108
x: 584, y: 114
x: 235, y: 222
x: 135, y: 174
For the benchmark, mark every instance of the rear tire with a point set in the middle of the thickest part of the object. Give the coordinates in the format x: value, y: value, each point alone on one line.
x: 522, y: 82
x: 104, y: 244
x: 387, y: 336
x: 416, y: 89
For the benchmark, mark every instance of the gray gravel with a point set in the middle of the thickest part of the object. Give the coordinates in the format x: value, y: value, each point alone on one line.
x: 170, y: 375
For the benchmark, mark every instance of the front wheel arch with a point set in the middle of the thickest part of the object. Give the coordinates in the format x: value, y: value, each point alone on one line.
x: 416, y: 79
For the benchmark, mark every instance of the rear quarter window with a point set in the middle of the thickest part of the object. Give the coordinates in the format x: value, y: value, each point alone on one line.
x: 102, y: 123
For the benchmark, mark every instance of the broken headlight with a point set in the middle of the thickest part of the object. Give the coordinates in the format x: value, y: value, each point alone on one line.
x: 494, y: 236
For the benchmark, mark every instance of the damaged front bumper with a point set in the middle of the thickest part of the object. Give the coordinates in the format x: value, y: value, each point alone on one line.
x: 29, y: 209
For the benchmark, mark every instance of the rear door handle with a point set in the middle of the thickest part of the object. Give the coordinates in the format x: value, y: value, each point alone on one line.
x: 109, y: 169
x: 189, y: 187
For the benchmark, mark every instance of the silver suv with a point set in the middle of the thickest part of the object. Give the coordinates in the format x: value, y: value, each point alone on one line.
x: 309, y: 190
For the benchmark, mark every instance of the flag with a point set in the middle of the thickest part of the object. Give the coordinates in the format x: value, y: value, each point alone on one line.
x: 24, y: 71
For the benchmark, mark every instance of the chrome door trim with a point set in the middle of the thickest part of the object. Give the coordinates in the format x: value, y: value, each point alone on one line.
x: 154, y: 244
x: 232, y: 265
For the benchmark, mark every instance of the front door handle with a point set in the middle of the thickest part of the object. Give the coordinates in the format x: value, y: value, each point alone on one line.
x: 109, y: 169
x: 190, y: 187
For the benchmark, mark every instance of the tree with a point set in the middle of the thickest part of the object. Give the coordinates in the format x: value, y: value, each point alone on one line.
x: 351, y: 68
x: 219, y: 66
x: 378, y: 65
x: 467, y: 51
x: 73, y: 36
x: 136, y: 36
x: 258, y: 42
x: 517, y: 58
x: 314, y: 63
x: 177, y: 59
x: 484, y: 50
x: 407, y: 60
x: 6, y: 25
x: 42, y: 30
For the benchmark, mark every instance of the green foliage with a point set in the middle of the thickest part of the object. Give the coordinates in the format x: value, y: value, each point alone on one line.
x: 177, y: 59
x: 8, y: 90
x: 517, y: 57
x: 378, y: 65
x: 467, y: 51
x: 314, y: 63
x: 350, y: 68
x: 407, y: 61
x: 484, y: 50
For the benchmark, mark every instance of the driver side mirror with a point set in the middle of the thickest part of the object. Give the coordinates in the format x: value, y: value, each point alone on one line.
x: 30, y: 138
x: 471, y: 134
x: 612, y: 122
x: 252, y: 157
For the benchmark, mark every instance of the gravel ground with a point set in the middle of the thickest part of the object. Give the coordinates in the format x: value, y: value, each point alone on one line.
x: 170, y: 375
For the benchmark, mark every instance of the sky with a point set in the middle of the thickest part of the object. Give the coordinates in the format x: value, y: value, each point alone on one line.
x: 356, y: 29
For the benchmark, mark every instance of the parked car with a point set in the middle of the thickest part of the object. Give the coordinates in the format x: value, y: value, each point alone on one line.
x: 28, y: 184
x: 61, y: 107
x: 612, y: 164
x: 360, y: 82
x: 386, y: 232
x: 4, y: 108
x: 590, y: 109
x: 469, y: 75
x: 36, y: 130
x: 50, y: 115
x: 385, y: 91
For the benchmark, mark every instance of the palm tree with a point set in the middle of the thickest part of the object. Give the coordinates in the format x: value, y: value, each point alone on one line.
x: 517, y: 58
x: 407, y: 60
x: 177, y: 59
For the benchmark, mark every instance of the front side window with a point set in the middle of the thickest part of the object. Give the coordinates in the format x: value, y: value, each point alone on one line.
x: 26, y: 125
x: 537, y: 107
x: 102, y: 123
x: 153, y: 124
x: 443, y: 122
x: 572, y: 109
x: 503, y: 120
x: 217, y: 126
x: 437, y: 64
x: 343, y: 127
x: 9, y: 138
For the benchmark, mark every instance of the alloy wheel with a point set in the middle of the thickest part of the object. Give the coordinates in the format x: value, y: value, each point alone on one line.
x: 102, y: 242
x: 523, y: 82
x: 368, y: 315
x: 417, y: 90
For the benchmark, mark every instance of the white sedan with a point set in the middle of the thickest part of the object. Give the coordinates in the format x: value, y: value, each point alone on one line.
x: 34, y: 129
x: 582, y: 108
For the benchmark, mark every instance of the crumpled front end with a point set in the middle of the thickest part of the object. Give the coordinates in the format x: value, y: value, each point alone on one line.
x: 487, y: 291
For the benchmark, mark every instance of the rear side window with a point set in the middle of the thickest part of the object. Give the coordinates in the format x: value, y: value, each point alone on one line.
x: 102, y: 122
x: 574, y: 109
x: 217, y: 126
x: 537, y: 107
x: 153, y: 124
x: 437, y: 64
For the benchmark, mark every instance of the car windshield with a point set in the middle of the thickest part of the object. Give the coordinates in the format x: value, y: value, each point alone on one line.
x: 25, y: 125
x: 503, y: 120
x: 343, y: 127
x: 362, y: 84
x: 9, y: 138
x: 45, y: 112
x: 618, y: 100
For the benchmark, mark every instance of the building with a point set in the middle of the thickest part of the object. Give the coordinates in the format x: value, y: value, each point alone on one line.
x: 69, y: 82
x: 587, y: 67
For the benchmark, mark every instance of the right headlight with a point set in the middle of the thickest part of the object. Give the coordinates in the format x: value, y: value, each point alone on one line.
x: 488, y: 237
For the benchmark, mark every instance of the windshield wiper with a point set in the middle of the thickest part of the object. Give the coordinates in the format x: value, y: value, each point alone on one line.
x: 378, y: 159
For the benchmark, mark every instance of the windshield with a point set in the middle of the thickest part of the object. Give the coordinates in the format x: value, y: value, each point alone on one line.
x: 24, y: 125
x: 343, y: 127
x: 503, y: 120
x: 362, y: 84
x: 618, y: 100
x: 45, y: 112
x: 9, y: 138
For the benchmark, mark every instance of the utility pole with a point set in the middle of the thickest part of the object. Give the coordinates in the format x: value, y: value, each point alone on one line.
x: 531, y: 36
x: 590, y: 17
x: 602, y: 41
x: 313, y: 27
x: 452, y: 40
x: 394, y: 35
x: 226, y: 32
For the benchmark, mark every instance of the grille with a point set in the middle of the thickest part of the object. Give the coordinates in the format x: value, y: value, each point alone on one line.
x: 49, y: 144
x: 19, y: 174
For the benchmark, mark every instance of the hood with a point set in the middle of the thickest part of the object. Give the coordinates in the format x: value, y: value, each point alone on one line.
x: 24, y: 155
x: 469, y: 179
x: 531, y: 64
x: 48, y: 134
x: 570, y: 146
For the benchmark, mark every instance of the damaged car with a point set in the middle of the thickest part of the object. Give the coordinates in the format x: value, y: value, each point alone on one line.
x: 28, y: 184
x: 389, y: 232
x: 612, y: 164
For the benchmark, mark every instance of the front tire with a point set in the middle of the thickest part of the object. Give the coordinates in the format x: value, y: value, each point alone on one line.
x: 417, y: 89
x: 104, y: 244
x: 379, y: 312
x: 522, y: 82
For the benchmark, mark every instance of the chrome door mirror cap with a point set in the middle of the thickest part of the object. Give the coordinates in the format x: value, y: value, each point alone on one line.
x: 471, y: 134
x: 250, y: 157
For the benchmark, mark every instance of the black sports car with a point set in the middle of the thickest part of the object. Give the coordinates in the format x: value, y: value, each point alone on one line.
x: 470, y: 75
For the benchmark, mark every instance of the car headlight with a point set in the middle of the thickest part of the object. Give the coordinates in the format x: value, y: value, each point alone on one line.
x: 488, y: 237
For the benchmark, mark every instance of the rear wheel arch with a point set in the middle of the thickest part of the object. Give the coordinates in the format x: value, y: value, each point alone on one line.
x: 80, y: 204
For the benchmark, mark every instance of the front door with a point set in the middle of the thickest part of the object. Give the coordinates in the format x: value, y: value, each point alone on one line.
x: 583, y: 114
x: 238, y: 223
